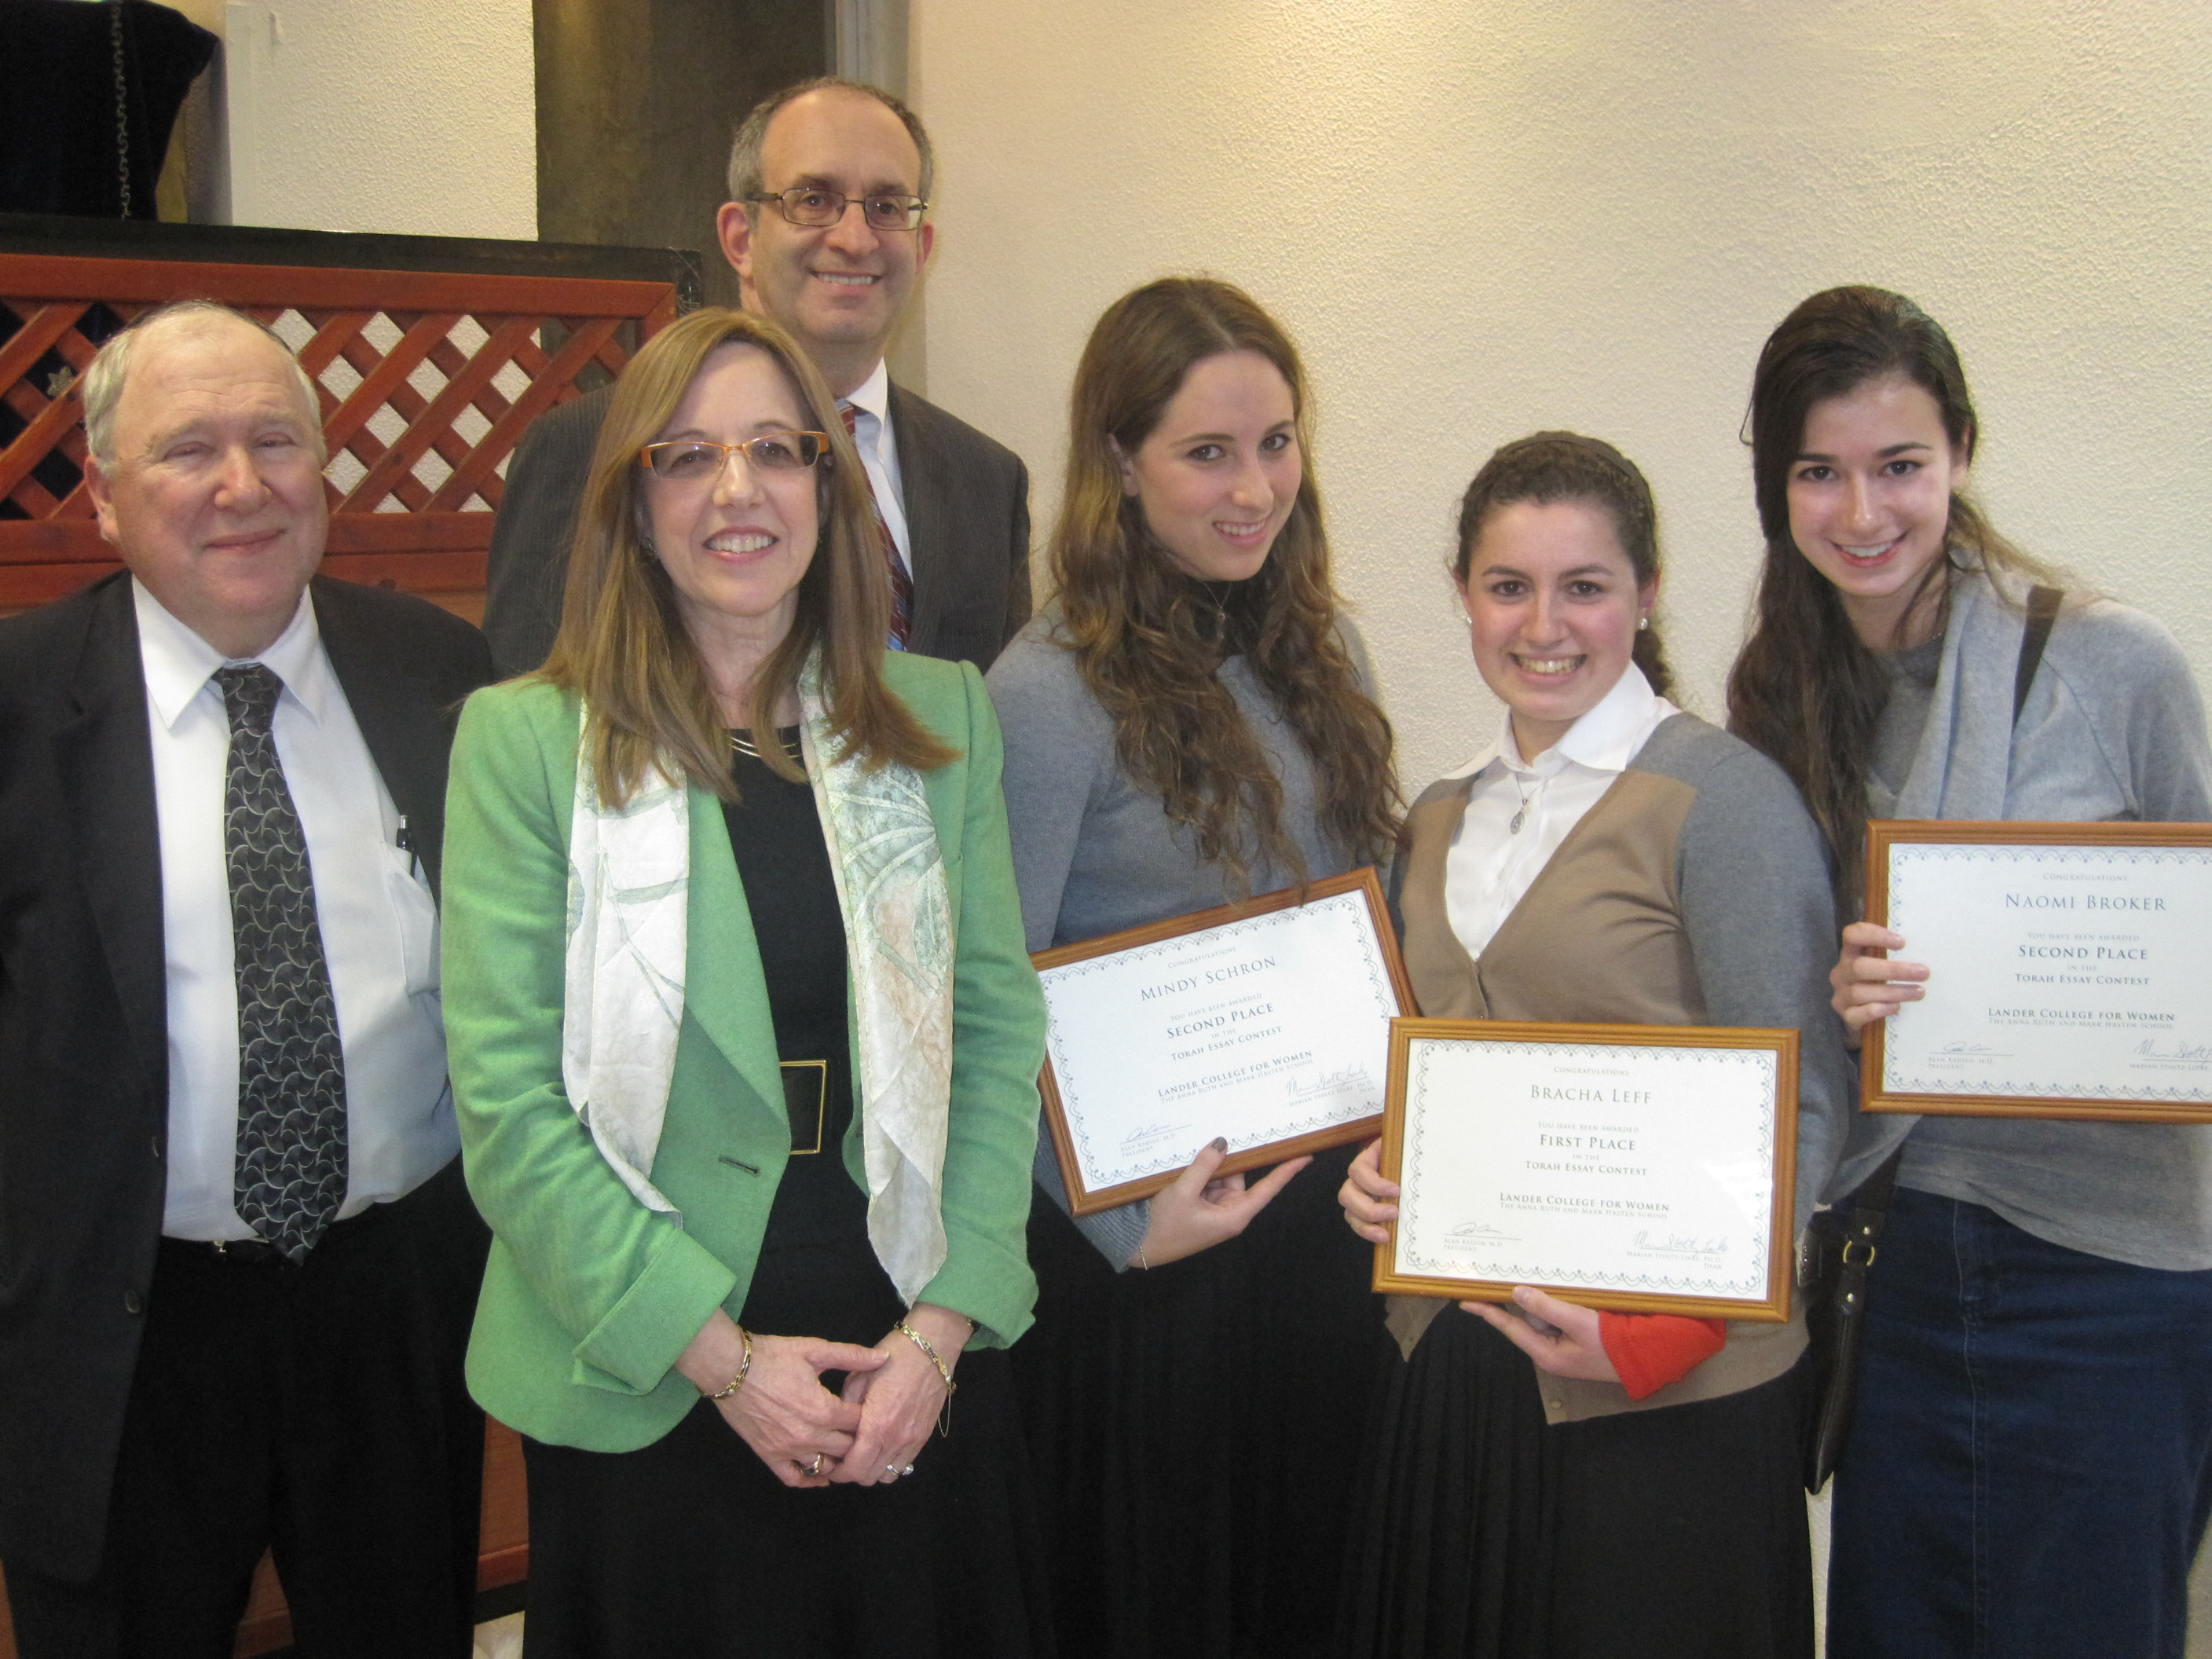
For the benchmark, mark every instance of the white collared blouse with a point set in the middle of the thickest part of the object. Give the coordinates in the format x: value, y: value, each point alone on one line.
x: 1519, y: 810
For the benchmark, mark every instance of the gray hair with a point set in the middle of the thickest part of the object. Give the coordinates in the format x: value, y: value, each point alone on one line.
x: 101, y: 388
x: 745, y: 177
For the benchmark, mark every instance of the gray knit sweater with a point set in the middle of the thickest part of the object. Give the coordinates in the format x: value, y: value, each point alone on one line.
x: 1094, y: 854
x: 2112, y: 728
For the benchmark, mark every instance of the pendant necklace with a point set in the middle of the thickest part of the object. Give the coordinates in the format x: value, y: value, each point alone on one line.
x: 1217, y: 592
x: 1528, y: 796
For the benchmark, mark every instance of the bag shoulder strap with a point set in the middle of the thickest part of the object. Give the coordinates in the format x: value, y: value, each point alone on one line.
x: 1874, y: 1194
x: 2043, y: 605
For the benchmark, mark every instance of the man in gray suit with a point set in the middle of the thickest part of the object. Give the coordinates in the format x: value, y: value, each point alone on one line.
x: 826, y: 228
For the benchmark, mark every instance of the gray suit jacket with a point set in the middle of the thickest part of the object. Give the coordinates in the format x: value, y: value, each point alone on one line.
x: 967, y: 515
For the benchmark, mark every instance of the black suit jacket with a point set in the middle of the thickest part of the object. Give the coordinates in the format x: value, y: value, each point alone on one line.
x: 967, y: 516
x: 83, y: 1006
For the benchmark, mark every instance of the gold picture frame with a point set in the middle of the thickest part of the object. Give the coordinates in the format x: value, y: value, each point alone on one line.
x: 1876, y: 1095
x: 1771, y: 1303
x: 1084, y: 1200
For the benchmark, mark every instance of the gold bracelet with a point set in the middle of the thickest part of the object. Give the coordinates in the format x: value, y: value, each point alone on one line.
x: 943, y: 1373
x: 744, y: 1366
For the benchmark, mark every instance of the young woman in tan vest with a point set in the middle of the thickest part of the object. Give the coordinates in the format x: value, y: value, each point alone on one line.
x: 1551, y: 1481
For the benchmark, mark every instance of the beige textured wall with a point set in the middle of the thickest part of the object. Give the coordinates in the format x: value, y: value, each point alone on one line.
x: 383, y: 115
x: 1482, y: 218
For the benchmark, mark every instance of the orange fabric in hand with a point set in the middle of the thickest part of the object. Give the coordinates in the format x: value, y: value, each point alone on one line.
x: 1649, y: 1350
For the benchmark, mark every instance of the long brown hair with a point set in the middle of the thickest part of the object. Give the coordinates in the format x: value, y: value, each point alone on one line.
x: 1149, y: 640
x: 622, y: 645
x: 1805, y: 689
x: 1564, y: 466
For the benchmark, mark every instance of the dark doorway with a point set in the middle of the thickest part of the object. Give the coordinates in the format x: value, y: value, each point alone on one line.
x: 636, y: 103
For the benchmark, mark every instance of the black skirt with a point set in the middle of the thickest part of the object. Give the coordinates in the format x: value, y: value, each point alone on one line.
x: 1484, y: 1534
x: 690, y: 1546
x: 1194, y: 1431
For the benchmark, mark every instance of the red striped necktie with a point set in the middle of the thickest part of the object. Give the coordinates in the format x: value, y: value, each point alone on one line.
x: 901, y: 583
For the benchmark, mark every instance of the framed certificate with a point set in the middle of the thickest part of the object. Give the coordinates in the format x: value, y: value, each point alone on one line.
x: 1646, y: 1169
x: 2069, y: 970
x: 1267, y: 1023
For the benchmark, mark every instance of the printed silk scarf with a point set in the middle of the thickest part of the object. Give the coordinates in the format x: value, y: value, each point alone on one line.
x: 629, y: 894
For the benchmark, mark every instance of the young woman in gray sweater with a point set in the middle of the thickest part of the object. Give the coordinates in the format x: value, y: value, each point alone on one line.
x: 2026, y: 1471
x: 1186, y: 723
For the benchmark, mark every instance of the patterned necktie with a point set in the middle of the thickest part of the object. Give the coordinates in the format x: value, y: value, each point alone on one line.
x: 901, y: 583
x: 291, y: 1169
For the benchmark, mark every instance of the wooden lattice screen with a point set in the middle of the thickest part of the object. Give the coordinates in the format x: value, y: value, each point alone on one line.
x: 427, y: 381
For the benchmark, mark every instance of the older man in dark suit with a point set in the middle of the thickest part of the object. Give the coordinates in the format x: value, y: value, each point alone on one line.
x: 237, y: 1262
x: 827, y: 229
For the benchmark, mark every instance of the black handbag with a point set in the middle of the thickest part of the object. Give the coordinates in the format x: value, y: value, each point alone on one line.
x: 1840, y: 1244
x: 1841, y: 1241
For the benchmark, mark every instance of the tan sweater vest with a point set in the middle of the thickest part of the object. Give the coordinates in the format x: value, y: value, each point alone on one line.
x: 1597, y: 939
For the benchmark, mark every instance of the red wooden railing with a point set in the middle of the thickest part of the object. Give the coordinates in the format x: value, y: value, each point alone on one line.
x: 426, y: 379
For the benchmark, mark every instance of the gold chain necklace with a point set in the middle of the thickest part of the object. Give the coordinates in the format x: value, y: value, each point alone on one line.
x: 744, y: 746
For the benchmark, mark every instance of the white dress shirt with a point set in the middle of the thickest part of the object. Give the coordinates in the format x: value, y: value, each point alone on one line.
x: 379, y: 926
x: 1492, y: 864
x: 870, y: 403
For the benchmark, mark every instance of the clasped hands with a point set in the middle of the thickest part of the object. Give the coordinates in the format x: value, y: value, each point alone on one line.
x: 868, y: 1433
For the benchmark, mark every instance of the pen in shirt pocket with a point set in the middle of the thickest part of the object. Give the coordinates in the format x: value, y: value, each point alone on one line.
x: 406, y: 843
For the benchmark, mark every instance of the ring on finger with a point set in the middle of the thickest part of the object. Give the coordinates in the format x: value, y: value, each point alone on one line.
x: 815, y: 1467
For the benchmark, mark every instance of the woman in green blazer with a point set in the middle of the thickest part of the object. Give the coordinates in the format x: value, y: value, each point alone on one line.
x: 745, y: 1041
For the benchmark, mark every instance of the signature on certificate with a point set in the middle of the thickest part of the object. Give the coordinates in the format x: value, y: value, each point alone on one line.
x: 1964, y: 1048
x: 1348, y: 1079
x: 1479, y: 1232
x: 1145, y: 1136
x: 2152, y: 1048
x: 1681, y: 1244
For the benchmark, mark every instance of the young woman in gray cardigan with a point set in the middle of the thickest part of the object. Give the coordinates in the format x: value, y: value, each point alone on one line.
x: 1186, y: 723
x: 1555, y: 1482
x: 2027, y: 1470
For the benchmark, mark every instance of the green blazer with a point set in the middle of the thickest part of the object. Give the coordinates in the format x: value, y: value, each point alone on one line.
x: 589, y: 1297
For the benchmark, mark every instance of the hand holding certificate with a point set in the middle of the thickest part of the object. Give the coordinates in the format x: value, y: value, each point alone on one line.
x: 1265, y: 1023
x: 2069, y: 969
x: 1645, y: 1169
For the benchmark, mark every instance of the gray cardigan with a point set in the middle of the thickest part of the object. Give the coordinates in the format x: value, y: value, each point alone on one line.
x: 1094, y: 854
x: 2112, y: 728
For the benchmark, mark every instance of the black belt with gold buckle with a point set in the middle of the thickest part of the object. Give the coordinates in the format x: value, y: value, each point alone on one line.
x: 242, y: 1252
x: 806, y: 1104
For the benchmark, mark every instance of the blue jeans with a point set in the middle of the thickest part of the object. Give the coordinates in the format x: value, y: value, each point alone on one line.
x: 2026, y: 1474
